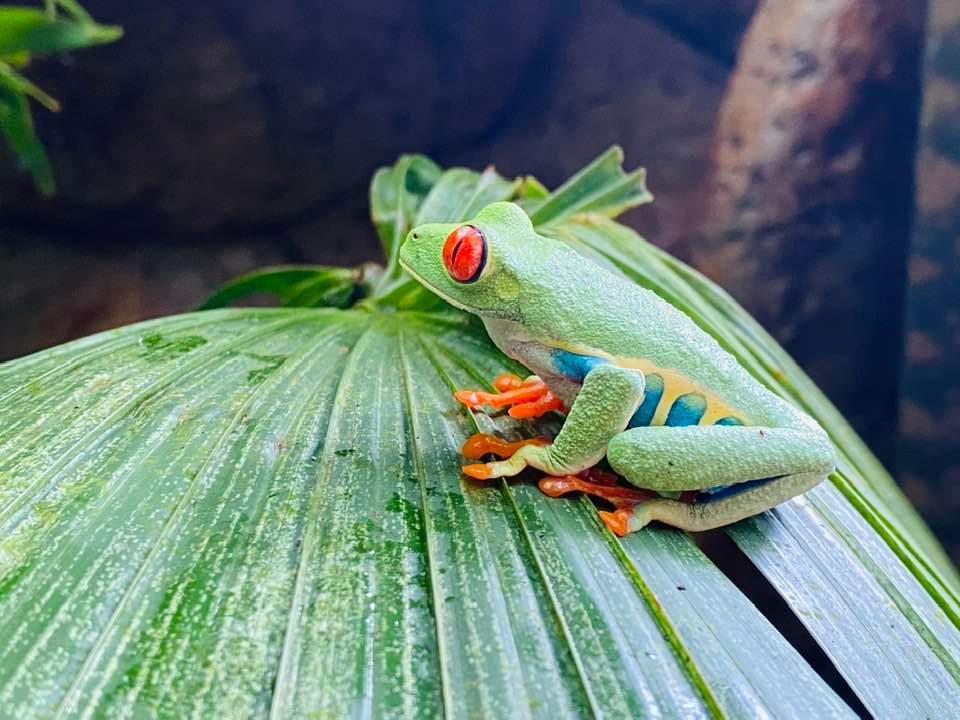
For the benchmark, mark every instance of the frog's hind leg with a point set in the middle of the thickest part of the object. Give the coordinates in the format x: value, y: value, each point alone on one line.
x: 598, y: 484
x: 711, y: 513
x: 739, y: 471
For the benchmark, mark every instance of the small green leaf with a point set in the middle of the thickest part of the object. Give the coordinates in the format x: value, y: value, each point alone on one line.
x: 25, y: 32
x: 26, y: 29
x: 293, y: 286
x: 71, y: 7
x: 16, y: 60
x: 460, y: 194
x: 602, y: 187
x: 395, y: 195
x: 16, y: 123
x: 17, y: 83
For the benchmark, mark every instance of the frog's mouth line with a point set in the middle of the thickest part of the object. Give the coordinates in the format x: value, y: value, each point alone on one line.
x: 443, y: 296
x: 432, y: 288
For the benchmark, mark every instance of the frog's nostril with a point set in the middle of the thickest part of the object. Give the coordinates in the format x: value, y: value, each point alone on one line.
x: 416, y: 237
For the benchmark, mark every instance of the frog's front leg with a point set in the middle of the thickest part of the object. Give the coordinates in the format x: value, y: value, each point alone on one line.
x: 527, y: 398
x: 603, y: 407
x: 739, y: 471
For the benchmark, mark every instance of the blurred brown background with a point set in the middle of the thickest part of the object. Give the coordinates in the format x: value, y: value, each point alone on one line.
x: 780, y: 140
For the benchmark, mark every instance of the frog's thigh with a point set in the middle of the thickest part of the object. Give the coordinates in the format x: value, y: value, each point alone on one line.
x: 699, y: 457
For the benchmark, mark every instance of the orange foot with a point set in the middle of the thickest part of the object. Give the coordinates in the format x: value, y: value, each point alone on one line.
x: 527, y: 398
x: 617, y: 495
x: 618, y: 521
x: 478, y: 445
x: 603, y: 485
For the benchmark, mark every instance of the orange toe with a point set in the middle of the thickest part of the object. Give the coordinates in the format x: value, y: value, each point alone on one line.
x: 470, y: 398
x: 552, y: 486
x: 479, y: 471
x: 523, y: 393
x: 618, y: 521
x: 507, y: 381
x: 480, y: 444
x: 548, y: 402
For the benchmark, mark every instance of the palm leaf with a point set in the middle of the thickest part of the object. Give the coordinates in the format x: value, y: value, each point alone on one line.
x: 252, y: 512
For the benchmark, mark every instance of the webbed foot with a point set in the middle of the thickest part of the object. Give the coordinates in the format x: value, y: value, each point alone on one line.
x: 615, y: 494
x: 480, y: 444
x: 623, y: 519
x: 631, y: 517
x: 527, y: 398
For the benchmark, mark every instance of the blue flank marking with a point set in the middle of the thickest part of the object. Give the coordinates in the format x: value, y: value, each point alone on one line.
x: 725, y: 491
x: 686, y: 410
x: 652, y: 393
x: 575, y: 366
x: 729, y: 420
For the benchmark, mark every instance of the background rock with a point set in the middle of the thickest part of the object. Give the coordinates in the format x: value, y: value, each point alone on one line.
x: 930, y: 412
x: 806, y: 211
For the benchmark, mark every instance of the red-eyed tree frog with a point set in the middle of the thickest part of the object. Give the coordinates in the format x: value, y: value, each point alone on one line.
x: 702, y: 442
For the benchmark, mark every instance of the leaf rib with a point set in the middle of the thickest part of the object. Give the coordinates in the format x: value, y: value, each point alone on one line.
x: 659, y: 613
x: 868, y: 628
x: 280, y: 696
x: 95, y: 352
x: 296, y: 424
x: 198, y: 361
x: 67, y: 703
x: 431, y: 549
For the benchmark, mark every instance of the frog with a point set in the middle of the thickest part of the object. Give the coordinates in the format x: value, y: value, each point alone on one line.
x: 649, y: 397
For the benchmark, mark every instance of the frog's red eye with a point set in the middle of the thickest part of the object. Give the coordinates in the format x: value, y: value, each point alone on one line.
x: 465, y: 253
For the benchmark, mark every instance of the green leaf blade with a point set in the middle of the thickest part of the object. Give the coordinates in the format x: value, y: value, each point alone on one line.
x: 850, y: 612
x: 143, y: 544
x: 16, y: 123
x: 292, y: 285
x: 754, y: 670
x: 246, y: 537
x: 602, y: 187
x: 396, y: 193
x: 361, y: 615
x: 26, y: 29
x: 488, y: 607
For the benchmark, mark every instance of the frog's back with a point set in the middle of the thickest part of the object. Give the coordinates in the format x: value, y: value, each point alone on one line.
x: 691, y: 379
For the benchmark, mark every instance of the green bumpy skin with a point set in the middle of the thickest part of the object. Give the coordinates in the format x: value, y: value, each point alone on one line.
x: 602, y: 344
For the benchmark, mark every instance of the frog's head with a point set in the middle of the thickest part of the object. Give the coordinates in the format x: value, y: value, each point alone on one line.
x: 475, y: 265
